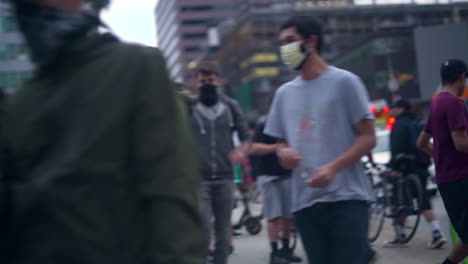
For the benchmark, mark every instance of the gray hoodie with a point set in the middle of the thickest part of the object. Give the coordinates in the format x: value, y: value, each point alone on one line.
x: 213, y: 129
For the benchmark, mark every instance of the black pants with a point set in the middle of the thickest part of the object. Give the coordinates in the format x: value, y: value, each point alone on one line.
x: 455, y: 197
x: 335, y: 233
x: 217, y: 200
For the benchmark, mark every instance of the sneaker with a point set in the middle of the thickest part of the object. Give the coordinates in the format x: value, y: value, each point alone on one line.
x: 210, y: 257
x: 397, y: 243
x: 288, y: 254
x: 236, y: 234
x: 437, y: 242
x: 277, y: 258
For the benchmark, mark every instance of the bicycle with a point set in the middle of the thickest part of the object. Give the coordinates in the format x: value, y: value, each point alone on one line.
x: 376, y: 207
x: 252, y: 223
x: 406, y: 196
x: 398, y: 197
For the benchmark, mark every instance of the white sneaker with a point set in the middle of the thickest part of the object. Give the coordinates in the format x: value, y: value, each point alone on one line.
x: 437, y: 242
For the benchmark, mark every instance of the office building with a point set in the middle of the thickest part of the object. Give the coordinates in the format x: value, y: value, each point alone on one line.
x: 15, y: 66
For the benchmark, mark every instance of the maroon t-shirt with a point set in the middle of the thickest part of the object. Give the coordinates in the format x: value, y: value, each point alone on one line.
x: 448, y: 113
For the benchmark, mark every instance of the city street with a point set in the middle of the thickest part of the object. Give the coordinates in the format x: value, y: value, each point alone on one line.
x: 255, y: 249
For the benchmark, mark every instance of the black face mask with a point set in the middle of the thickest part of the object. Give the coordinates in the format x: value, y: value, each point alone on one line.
x: 47, y: 30
x: 209, y: 94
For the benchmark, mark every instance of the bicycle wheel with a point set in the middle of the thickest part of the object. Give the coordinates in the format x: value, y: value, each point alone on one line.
x: 377, y: 208
x: 411, y: 215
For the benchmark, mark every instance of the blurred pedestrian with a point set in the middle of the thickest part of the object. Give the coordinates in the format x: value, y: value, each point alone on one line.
x: 323, y: 120
x: 215, y: 117
x: 448, y: 126
x: 403, y: 142
x: 275, y: 184
x: 99, y: 161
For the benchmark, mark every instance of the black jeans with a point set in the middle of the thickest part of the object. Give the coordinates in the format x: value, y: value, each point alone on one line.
x: 217, y: 199
x: 336, y: 232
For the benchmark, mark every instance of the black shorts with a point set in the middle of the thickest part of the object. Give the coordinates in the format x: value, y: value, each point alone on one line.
x: 426, y: 196
x: 455, y: 197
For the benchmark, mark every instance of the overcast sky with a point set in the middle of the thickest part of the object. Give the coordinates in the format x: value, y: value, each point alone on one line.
x: 132, y: 20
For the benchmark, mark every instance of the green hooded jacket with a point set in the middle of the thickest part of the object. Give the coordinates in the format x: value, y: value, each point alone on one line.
x: 99, y: 163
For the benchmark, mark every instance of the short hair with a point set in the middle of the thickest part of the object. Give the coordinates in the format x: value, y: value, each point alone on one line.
x: 207, y: 68
x: 306, y: 26
x: 451, y: 70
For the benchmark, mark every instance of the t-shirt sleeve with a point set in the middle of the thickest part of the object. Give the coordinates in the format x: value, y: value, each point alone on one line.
x: 274, y: 126
x: 356, y: 100
x: 259, y: 136
x: 456, y: 116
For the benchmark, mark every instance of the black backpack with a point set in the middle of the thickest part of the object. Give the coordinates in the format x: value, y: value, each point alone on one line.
x: 422, y: 158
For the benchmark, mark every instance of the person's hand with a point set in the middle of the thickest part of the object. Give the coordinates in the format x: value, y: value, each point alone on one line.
x: 394, y: 174
x: 323, y: 177
x: 237, y: 156
x: 289, y: 158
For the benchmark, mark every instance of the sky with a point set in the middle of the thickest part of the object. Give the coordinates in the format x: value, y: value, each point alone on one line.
x: 132, y: 20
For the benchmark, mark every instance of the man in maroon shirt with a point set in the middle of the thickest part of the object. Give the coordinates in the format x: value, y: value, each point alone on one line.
x: 448, y: 126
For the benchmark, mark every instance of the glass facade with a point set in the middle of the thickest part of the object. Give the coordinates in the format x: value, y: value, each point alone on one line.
x: 15, y: 65
x: 7, y: 24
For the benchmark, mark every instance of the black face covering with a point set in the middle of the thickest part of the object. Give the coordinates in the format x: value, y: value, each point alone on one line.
x: 47, y: 30
x: 209, y: 94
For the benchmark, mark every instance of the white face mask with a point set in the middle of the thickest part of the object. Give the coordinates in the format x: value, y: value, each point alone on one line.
x: 293, y: 55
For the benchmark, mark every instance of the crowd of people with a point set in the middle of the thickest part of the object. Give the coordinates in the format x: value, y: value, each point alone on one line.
x: 103, y: 163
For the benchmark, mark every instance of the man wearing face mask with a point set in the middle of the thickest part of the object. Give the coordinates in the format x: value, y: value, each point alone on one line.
x: 323, y: 120
x: 215, y: 117
x: 96, y: 170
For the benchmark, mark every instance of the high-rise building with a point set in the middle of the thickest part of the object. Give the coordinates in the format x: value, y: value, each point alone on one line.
x: 183, y: 29
x: 376, y: 42
x: 15, y: 66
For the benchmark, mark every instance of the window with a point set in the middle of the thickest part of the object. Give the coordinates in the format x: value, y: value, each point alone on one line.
x: 11, y: 80
x: 192, y: 49
x: 7, y: 24
x: 196, y: 8
x: 195, y: 35
x: 195, y: 22
x: 205, y: 8
x: 14, y: 52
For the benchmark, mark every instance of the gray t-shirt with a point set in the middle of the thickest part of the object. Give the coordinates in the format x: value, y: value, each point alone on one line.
x: 316, y: 118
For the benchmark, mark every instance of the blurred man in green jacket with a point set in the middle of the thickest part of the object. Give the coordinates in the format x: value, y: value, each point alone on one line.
x: 98, y: 160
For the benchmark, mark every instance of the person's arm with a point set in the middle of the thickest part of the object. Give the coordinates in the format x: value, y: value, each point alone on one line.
x: 456, y: 118
x: 288, y: 157
x: 400, y: 140
x: 239, y: 154
x: 166, y: 172
x: 460, y: 140
x: 424, y: 143
x: 260, y: 149
x: 361, y: 119
x: 363, y: 145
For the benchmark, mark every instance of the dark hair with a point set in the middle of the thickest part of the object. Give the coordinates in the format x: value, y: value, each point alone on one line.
x: 306, y: 26
x: 449, y: 77
x: 207, y: 68
x: 451, y: 70
x: 405, y: 104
